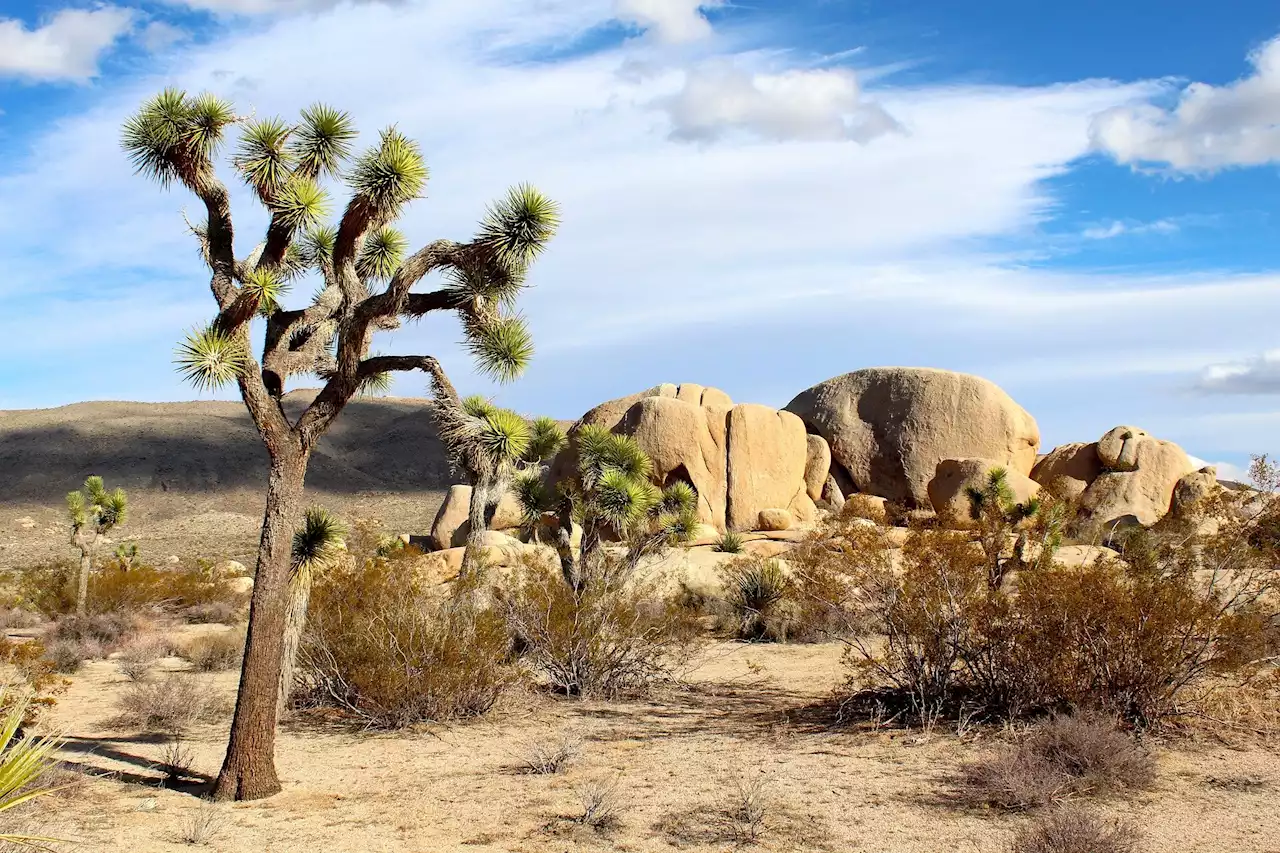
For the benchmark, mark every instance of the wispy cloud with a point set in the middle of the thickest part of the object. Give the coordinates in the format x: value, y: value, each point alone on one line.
x: 668, y: 21
x: 65, y: 47
x: 1117, y: 228
x: 1210, y: 128
x: 1257, y: 375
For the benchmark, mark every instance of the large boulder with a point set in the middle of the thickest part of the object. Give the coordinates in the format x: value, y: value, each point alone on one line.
x: 949, y: 488
x: 817, y: 467
x: 1139, y: 475
x: 1068, y: 470
x: 889, y: 427
x: 767, y: 453
x: 741, y: 459
x: 452, y: 524
x: 1194, y: 490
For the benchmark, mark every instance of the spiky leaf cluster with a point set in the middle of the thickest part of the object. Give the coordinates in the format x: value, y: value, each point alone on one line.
x: 502, y: 347
x: 517, y: 228
x: 319, y: 542
x: 389, y: 176
x: 174, y: 136
x: 95, y: 507
x: 546, y: 439
x: 210, y: 359
x: 382, y: 254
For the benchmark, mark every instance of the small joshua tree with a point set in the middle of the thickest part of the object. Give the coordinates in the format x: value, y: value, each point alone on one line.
x: 94, y: 511
x: 366, y: 283
x: 613, y: 491
x: 999, y: 513
x: 317, y: 545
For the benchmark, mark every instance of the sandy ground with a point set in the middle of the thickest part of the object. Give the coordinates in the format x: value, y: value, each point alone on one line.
x: 675, y: 762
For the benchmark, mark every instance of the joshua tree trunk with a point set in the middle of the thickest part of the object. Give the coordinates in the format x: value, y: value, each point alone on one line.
x: 476, y: 519
x: 82, y: 580
x: 295, y: 622
x: 249, y: 772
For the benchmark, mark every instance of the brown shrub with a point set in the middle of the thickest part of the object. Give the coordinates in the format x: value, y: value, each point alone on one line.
x: 387, y: 648
x: 122, y: 585
x: 215, y: 652
x: 171, y: 705
x: 140, y: 655
x: 18, y: 617
x: 68, y: 656
x: 1072, y: 830
x: 107, y: 630
x: 1064, y: 758
x: 613, y: 636
x: 27, y: 670
x: 864, y: 506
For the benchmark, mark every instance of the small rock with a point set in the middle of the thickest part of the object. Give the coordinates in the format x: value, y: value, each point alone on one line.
x: 775, y: 519
x: 27, y: 523
x: 173, y: 559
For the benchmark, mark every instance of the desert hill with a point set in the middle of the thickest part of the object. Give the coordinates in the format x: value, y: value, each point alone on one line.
x: 195, y: 472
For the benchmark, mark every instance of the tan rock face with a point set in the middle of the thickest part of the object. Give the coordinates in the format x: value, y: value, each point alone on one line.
x: 450, y: 528
x: 1138, y: 488
x: 767, y: 454
x: 684, y: 444
x: 1068, y: 470
x: 949, y: 489
x: 1194, y: 489
x: 889, y: 427
x: 817, y: 466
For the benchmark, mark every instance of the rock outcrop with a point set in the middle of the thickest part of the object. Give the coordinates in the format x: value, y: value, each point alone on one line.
x: 451, y: 526
x: 949, y: 488
x: 1068, y: 470
x: 889, y: 427
x: 741, y: 459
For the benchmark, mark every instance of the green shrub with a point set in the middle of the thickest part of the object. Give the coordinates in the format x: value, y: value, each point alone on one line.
x: 758, y: 594
x: 385, y: 647
x: 730, y: 543
x: 123, y: 585
x: 608, y: 637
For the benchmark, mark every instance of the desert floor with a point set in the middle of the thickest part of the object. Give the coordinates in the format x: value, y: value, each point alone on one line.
x: 675, y: 763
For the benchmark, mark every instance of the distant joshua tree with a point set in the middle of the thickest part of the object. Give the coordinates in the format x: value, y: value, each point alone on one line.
x: 366, y: 283
x: 94, y: 512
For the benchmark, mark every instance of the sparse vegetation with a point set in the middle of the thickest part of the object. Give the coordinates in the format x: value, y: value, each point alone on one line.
x: 169, y: 705
x: 214, y: 652
x: 550, y: 756
x: 118, y: 587
x: 1066, y: 758
x: 758, y: 593
x: 203, y: 825
x: 730, y: 543
x: 140, y: 656
x: 1074, y: 830
x: 602, y: 806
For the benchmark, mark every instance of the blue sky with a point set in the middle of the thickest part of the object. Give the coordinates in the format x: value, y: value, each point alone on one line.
x: 1077, y: 201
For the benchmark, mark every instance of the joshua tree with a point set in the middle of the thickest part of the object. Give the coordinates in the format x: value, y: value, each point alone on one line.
x: 999, y: 513
x: 612, y: 491
x: 94, y: 511
x: 366, y: 284
x: 317, y: 545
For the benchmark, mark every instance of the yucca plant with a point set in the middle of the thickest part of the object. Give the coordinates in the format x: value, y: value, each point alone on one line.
x: 754, y: 589
x: 998, y: 512
x: 94, y: 512
x: 317, y: 545
x: 730, y: 543
x: 23, y: 761
x: 366, y: 276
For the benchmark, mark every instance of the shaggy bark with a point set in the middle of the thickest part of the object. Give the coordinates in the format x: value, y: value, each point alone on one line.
x: 85, y: 544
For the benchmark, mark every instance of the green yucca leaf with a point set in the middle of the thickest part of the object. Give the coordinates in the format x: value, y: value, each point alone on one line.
x: 679, y: 497
x: 22, y: 762
x: 532, y: 495
x: 496, y: 282
x: 730, y: 543
x: 504, y: 435
x: 381, y: 255
x: 76, y: 509
x: 263, y: 158
x: 376, y: 385
x: 622, y: 501
x: 294, y: 263
x: 114, y: 509
x: 207, y: 115
x: 593, y: 441
x: 478, y: 406
x: 677, y: 528
x: 300, y: 203
x: 518, y: 227
x: 319, y: 541
x: 622, y: 453
x: 266, y: 288
x: 96, y: 489
x: 502, y: 348
x: 322, y: 140
x: 391, y: 175
x: 317, y: 244
x: 545, y: 439
x: 211, y: 359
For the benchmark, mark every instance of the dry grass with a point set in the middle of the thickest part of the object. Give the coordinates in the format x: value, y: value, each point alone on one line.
x: 171, y: 705
x: 547, y: 757
x: 1065, y: 758
x: 602, y: 805
x: 140, y: 655
x: 214, y: 652
x: 203, y: 826
x: 1073, y: 830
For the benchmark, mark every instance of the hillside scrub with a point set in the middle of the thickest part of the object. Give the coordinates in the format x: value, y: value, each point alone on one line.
x: 1177, y: 614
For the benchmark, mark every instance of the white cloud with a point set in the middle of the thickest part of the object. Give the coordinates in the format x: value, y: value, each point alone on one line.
x: 1210, y: 128
x: 669, y: 21
x: 1257, y: 375
x: 158, y: 36
x: 264, y: 7
x: 719, y: 100
x: 1226, y: 470
x: 1116, y: 228
x: 67, y: 46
